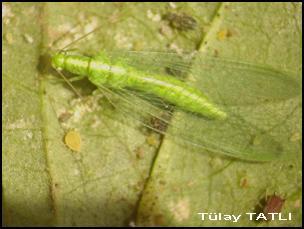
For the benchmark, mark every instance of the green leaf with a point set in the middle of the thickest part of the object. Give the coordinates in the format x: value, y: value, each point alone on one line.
x: 186, y: 182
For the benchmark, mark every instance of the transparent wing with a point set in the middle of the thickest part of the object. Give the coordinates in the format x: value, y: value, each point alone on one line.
x: 238, y: 83
x: 243, y: 83
x: 155, y: 61
x: 234, y: 137
x: 262, y: 106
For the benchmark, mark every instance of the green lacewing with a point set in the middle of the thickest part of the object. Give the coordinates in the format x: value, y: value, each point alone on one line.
x: 227, y: 107
x: 102, y: 71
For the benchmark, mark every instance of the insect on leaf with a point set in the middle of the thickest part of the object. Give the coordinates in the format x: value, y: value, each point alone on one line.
x: 256, y: 99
